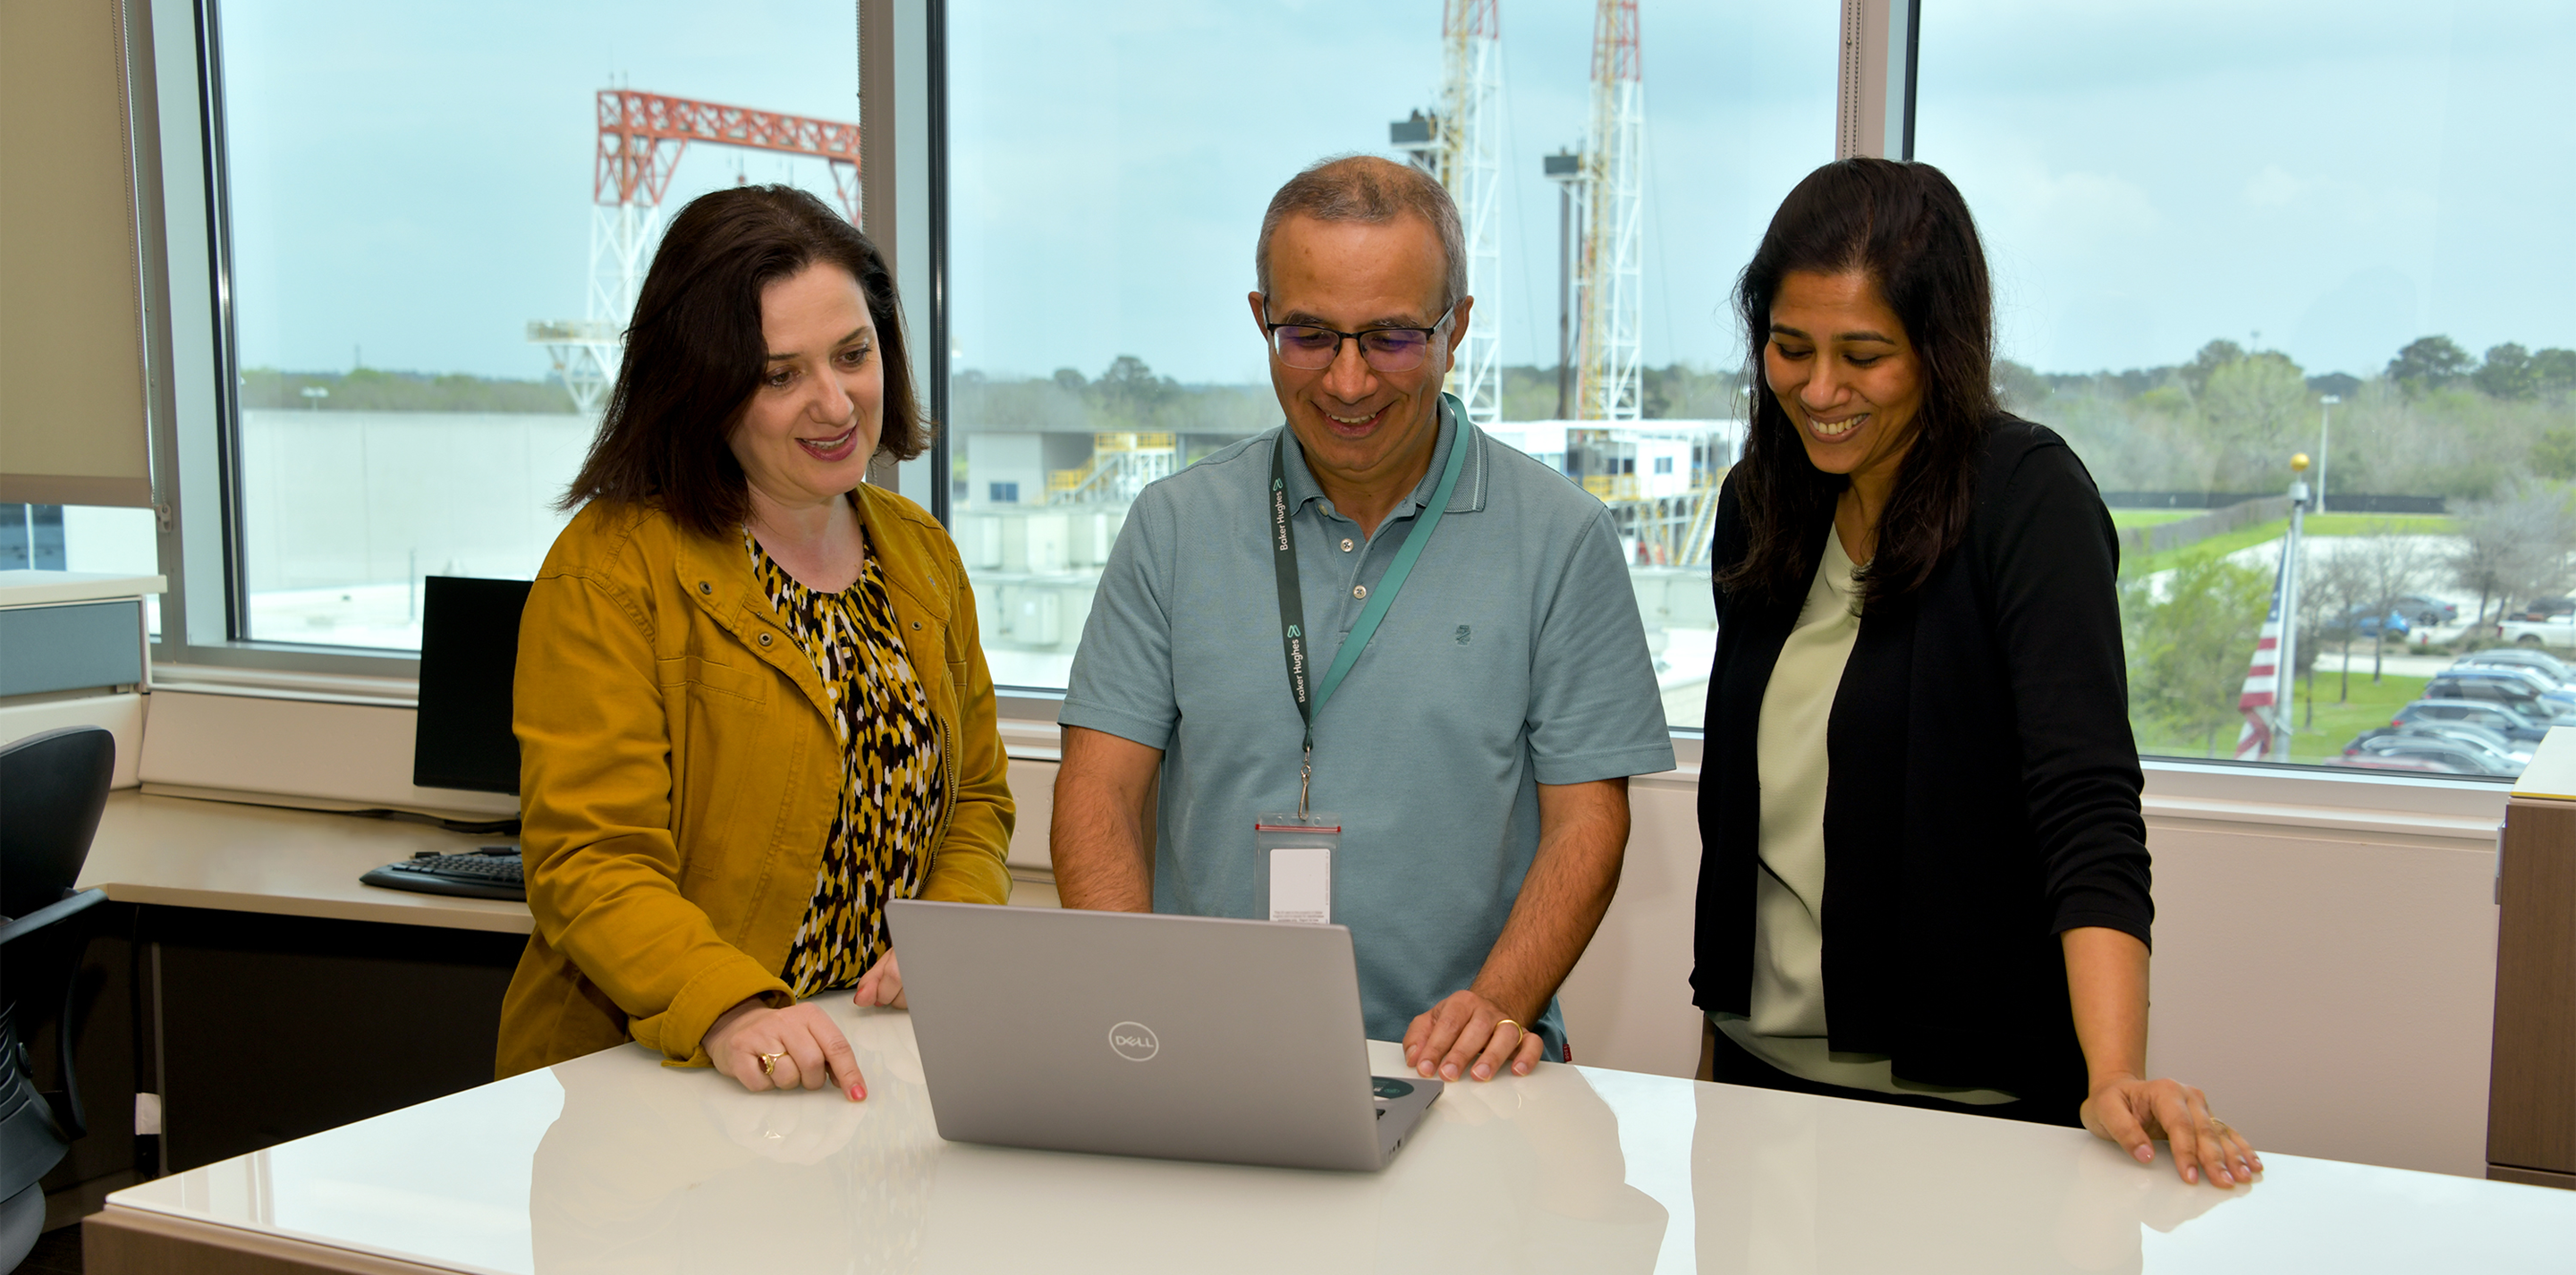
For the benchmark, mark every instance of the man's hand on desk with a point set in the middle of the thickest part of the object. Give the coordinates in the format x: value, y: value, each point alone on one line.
x: 882, y: 984
x: 799, y: 1043
x: 1466, y: 1034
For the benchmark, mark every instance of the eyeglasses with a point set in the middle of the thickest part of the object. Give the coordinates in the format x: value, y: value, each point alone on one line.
x: 1310, y: 348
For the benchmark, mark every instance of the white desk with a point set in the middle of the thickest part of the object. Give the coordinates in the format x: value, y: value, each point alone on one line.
x: 615, y: 1163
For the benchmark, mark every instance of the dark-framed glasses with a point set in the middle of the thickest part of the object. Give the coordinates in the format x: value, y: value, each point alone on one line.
x: 1311, y: 348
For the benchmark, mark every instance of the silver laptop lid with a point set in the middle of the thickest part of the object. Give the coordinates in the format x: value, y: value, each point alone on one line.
x: 1188, y: 1038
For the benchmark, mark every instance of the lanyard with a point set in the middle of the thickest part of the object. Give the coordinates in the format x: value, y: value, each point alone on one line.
x: 1292, y: 602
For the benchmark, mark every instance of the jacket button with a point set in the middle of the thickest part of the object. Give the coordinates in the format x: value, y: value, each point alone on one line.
x: 916, y: 624
x: 704, y: 587
x: 764, y: 639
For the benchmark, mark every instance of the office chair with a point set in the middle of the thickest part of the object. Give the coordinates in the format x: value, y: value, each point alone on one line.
x: 53, y: 788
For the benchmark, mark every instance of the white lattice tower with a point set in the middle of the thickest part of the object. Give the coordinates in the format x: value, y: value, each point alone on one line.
x: 1613, y: 275
x: 1471, y: 143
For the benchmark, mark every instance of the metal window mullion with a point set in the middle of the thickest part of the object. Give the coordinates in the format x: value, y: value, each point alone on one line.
x: 236, y: 565
x: 1874, y: 112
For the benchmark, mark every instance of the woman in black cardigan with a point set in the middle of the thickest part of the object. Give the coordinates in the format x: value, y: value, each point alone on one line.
x: 1951, y: 776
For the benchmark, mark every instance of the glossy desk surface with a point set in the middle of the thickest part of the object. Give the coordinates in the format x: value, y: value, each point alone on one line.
x: 615, y: 1163
x: 184, y: 852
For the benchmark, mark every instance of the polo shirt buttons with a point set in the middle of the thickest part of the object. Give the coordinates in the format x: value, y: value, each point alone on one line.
x: 1346, y: 546
x: 1359, y: 591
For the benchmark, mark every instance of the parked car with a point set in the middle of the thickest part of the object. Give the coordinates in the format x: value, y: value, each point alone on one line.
x: 2466, y: 757
x: 2559, y: 631
x: 2523, y: 657
x: 2427, y: 611
x: 2514, y: 693
x: 2561, y: 697
x: 2402, y: 742
x: 2543, y: 609
x: 2518, y: 750
x: 2497, y: 717
x: 2357, y: 621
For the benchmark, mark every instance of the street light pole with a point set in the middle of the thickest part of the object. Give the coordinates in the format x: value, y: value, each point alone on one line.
x: 2325, y: 435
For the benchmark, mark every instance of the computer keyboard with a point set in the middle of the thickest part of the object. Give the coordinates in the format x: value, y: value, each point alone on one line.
x: 491, y: 873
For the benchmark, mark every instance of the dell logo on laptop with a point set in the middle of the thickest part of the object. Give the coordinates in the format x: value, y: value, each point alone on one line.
x: 1134, y: 1041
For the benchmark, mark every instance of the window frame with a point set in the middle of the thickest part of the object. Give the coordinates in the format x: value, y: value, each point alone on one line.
x: 179, y: 138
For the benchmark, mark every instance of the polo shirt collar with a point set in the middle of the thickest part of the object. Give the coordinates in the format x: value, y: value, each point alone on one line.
x: 1468, y: 498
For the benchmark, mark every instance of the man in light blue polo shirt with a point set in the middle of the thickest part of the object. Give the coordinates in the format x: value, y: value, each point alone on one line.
x: 1477, y: 747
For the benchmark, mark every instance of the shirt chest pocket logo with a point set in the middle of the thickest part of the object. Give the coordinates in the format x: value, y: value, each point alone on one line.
x: 1465, y: 635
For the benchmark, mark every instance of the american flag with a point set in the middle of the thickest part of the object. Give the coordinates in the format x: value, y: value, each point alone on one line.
x: 2262, y: 686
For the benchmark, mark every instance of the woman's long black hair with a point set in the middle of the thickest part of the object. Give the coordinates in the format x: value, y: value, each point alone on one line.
x: 1905, y: 227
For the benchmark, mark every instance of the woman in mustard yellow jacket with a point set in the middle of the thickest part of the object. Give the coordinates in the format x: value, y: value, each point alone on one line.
x: 751, y: 702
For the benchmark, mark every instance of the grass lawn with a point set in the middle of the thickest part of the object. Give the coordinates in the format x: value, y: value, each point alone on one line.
x: 2325, y: 726
x: 2372, y: 704
x: 2127, y: 518
x: 2252, y: 534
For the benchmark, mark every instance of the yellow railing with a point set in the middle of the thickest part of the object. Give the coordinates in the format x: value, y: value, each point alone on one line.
x: 1611, y: 486
x: 1133, y: 442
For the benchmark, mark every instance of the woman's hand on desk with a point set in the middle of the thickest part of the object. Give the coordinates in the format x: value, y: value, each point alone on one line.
x: 2134, y: 1112
x: 799, y: 1043
x: 882, y: 984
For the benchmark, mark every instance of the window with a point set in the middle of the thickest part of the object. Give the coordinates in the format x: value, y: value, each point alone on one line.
x: 418, y: 258
x: 2221, y: 239
x: 1105, y: 344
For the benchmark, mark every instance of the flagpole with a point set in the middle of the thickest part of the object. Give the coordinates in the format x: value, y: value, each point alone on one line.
x: 2285, y: 669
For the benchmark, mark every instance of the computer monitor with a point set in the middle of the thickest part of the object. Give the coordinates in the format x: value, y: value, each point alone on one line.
x: 469, y: 648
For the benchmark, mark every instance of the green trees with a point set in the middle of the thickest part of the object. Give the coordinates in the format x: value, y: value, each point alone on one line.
x: 2189, y: 649
x: 2257, y: 411
x: 2429, y: 363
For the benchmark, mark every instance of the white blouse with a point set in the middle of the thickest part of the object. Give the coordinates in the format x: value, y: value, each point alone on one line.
x: 1787, y: 1026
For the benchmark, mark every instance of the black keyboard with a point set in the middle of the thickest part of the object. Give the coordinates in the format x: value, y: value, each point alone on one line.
x: 491, y: 873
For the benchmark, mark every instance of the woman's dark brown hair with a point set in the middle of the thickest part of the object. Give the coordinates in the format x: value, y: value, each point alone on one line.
x: 1906, y: 229
x: 694, y: 352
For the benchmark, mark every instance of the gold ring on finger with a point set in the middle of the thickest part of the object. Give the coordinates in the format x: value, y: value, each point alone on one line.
x: 769, y: 1063
x: 1515, y: 1026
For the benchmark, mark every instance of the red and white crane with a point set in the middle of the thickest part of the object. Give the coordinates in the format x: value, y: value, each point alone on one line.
x: 641, y: 139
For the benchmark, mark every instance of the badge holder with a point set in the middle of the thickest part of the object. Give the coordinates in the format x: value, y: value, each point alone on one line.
x: 1293, y: 867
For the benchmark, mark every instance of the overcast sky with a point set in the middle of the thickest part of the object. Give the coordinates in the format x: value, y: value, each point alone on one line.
x: 414, y: 181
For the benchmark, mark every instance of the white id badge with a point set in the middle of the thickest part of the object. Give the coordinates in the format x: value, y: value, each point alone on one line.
x: 1293, y: 866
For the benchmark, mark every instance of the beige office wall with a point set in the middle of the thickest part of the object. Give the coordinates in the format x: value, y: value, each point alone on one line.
x: 2329, y: 982
x: 2327, y: 974
x: 2333, y: 990
x: 122, y: 715
x: 295, y: 752
x: 72, y: 421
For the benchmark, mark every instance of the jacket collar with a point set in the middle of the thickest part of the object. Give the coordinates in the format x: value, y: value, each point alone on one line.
x: 716, y: 574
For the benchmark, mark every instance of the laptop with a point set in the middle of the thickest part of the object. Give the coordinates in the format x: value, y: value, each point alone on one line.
x: 1125, y: 1033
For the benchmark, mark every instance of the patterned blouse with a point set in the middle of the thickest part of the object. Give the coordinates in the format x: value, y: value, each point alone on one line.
x: 892, y: 783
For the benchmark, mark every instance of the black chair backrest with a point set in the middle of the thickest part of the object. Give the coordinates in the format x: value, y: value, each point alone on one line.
x: 53, y: 788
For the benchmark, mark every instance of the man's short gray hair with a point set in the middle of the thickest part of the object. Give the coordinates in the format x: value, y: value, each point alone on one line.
x: 1366, y: 188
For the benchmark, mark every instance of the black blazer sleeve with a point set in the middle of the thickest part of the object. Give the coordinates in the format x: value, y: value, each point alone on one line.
x: 2052, y: 561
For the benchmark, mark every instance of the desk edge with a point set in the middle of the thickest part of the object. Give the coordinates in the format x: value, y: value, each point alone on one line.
x: 122, y: 1238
